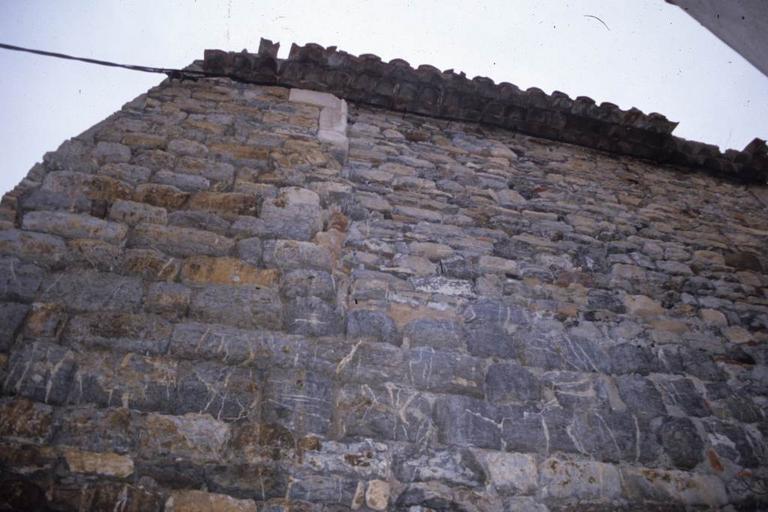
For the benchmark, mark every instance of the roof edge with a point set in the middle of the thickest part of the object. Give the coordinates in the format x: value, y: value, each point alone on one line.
x: 427, y: 91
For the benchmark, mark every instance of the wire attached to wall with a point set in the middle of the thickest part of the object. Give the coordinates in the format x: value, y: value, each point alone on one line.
x: 170, y: 72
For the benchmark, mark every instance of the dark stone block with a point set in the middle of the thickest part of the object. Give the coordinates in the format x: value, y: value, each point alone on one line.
x: 389, y: 412
x: 445, y: 372
x: 467, y: 421
x: 299, y: 400
x: 439, y: 334
x: 373, y: 325
x: 510, y: 382
x: 40, y: 371
x: 641, y: 396
x: 683, y: 394
x: 11, y: 317
x: 308, y: 283
x: 491, y: 327
x: 313, y: 316
x: 19, y: 281
x: 241, y: 306
x: 227, y: 393
x: 631, y: 358
x: 681, y: 442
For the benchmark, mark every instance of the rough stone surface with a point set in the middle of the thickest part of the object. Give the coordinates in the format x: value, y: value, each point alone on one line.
x: 208, y: 304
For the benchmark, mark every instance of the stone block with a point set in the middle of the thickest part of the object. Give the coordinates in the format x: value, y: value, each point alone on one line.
x: 491, y: 327
x: 688, y: 489
x: 100, y: 430
x: 195, y: 437
x: 226, y: 393
x: 225, y: 203
x: 107, y: 379
x: 184, y: 182
x: 511, y: 473
x: 681, y: 442
x: 454, y: 467
x: 179, y: 241
x: 87, y: 290
x: 510, y: 382
x: 372, y: 325
x: 39, y: 248
x: 241, y: 306
x: 465, y: 421
x: 162, y: 196
x: 111, y: 152
x: 187, y: 147
x: 149, y: 264
x: 19, y: 281
x: 444, y: 372
x: 98, y: 463
x: 390, y: 412
x: 169, y: 299
x: 291, y: 255
x: 299, y: 400
x: 71, y: 225
x: 579, y: 480
x: 441, y: 334
x: 121, y: 332
x: 131, y: 213
x: 24, y: 419
x: 201, y: 501
x: 295, y: 214
x: 308, y: 283
x: 313, y: 316
x: 226, y: 271
x: 42, y: 372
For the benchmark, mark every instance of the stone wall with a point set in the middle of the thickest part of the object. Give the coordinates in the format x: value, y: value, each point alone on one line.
x: 223, y: 298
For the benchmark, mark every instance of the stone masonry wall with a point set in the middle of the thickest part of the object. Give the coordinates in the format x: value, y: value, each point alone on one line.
x: 222, y: 298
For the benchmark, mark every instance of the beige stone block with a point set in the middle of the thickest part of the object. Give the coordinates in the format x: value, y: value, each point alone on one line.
x: 201, y: 501
x: 713, y: 317
x: 377, y: 494
x: 109, y: 464
x: 642, y: 306
x: 737, y: 334
x: 230, y: 271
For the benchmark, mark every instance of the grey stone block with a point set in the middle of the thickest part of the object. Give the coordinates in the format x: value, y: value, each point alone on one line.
x: 241, y: 306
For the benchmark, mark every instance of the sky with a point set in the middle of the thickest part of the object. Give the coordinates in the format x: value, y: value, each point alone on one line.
x: 642, y: 53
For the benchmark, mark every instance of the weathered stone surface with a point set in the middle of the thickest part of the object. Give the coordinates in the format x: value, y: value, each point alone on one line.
x: 93, y: 291
x: 23, y: 419
x: 179, y: 241
x: 37, y: 248
x: 228, y: 271
x: 71, y: 225
x: 295, y: 214
x: 120, y: 332
x: 436, y: 333
x: 372, y: 325
x: 13, y: 315
x: 19, y: 281
x: 291, y: 255
x: 511, y: 473
x: 243, y: 306
x: 200, y: 501
x: 682, y: 443
x: 510, y: 382
x: 575, y: 480
x: 108, y: 464
x: 131, y: 213
x: 42, y: 372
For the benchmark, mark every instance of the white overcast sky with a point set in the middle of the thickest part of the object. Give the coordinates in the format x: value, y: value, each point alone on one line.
x: 651, y: 55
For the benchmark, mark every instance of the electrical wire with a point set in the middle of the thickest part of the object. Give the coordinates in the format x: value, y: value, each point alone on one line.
x: 170, y: 72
